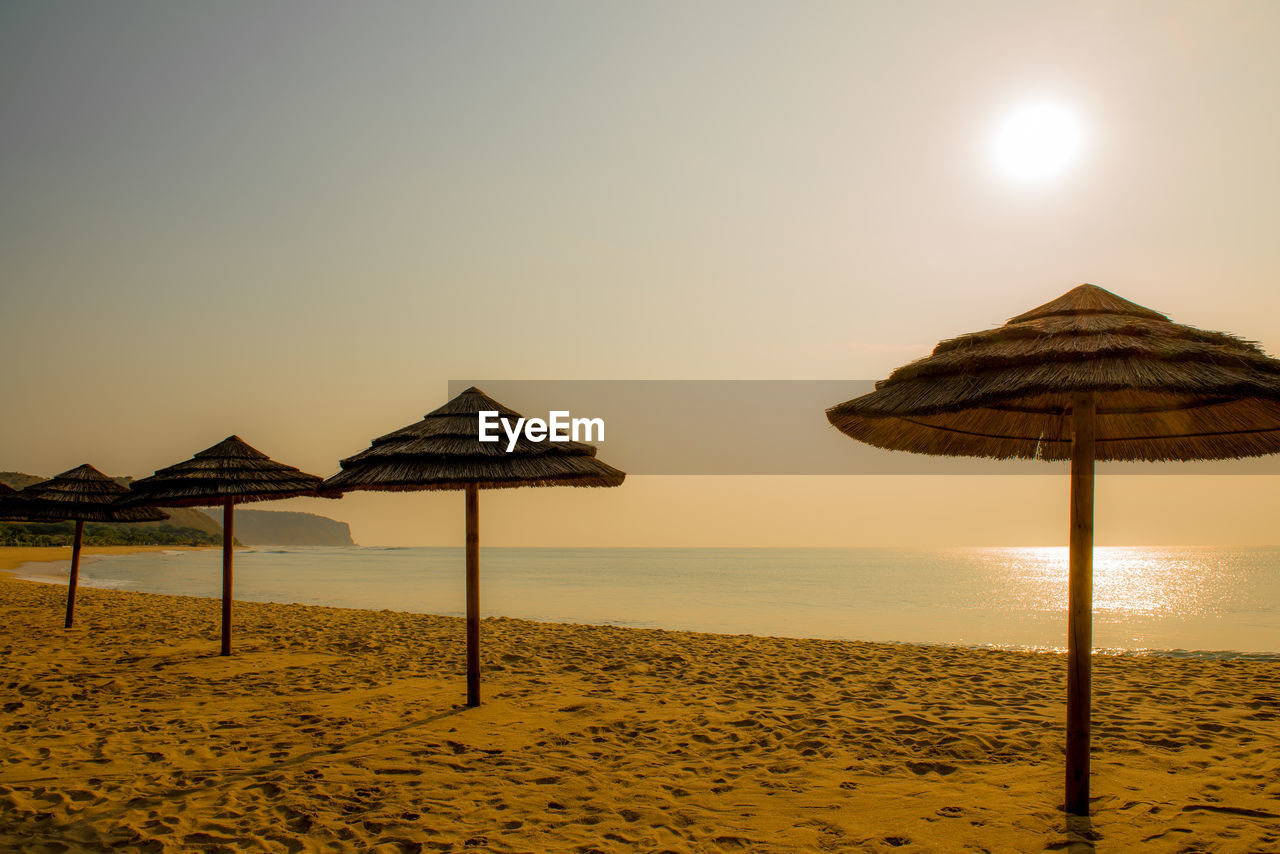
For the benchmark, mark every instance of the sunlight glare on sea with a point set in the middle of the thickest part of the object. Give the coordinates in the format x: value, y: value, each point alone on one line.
x: 1207, y: 600
x: 1183, y: 582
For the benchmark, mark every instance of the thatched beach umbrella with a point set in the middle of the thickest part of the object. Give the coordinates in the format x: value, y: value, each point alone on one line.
x: 229, y: 473
x: 444, y: 451
x: 11, y: 509
x: 1088, y: 376
x: 82, y: 494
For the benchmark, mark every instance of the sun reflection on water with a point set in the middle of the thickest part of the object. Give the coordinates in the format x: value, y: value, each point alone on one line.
x: 1203, y: 600
x: 1186, y: 582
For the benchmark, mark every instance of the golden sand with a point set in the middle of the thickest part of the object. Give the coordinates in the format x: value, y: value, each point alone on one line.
x: 340, y: 730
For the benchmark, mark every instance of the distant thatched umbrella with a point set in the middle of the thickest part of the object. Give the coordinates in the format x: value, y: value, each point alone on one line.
x: 1087, y: 376
x: 11, y: 509
x: 82, y: 494
x: 229, y: 473
x: 444, y: 451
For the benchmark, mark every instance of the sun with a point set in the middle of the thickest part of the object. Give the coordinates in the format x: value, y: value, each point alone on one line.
x: 1037, y: 141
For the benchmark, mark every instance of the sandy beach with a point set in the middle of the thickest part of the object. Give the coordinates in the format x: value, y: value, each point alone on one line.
x: 342, y: 730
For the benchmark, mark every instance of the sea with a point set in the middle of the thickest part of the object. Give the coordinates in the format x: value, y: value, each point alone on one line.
x: 1197, y: 602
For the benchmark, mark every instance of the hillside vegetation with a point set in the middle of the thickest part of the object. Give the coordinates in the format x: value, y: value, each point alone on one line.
x: 184, y: 527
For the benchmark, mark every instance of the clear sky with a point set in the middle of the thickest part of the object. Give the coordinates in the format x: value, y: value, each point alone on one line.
x: 296, y: 221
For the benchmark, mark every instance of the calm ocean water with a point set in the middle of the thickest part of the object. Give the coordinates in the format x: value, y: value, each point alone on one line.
x: 1192, y: 600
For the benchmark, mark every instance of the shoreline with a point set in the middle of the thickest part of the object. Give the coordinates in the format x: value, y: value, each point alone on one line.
x: 1173, y: 654
x: 13, y: 557
x: 343, y: 728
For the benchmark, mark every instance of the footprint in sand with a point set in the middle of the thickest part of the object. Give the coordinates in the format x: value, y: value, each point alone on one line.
x: 931, y: 767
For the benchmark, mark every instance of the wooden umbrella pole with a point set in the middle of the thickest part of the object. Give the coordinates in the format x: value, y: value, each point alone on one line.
x: 473, y: 595
x: 1080, y: 605
x: 75, y: 574
x: 228, y: 537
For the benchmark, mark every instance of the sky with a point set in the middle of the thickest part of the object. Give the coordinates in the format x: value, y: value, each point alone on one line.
x: 298, y: 221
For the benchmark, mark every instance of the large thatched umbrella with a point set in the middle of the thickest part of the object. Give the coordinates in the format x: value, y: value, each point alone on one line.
x: 229, y: 473
x: 1087, y: 376
x: 444, y: 451
x: 82, y: 494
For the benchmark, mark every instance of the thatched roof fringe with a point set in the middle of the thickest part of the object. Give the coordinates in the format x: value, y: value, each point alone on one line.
x: 83, y: 493
x: 989, y: 355
x: 946, y: 440
x: 11, y: 506
x: 443, y: 451
x: 453, y: 474
x: 467, y: 446
x: 939, y: 392
x: 230, y: 469
x: 1097, y: 324
x: 1163, y: 391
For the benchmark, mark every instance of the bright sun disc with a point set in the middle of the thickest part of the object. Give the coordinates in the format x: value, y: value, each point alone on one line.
x: 1037, y: 141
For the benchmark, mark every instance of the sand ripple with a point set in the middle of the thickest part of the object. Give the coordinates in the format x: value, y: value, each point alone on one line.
x: 340, y: 730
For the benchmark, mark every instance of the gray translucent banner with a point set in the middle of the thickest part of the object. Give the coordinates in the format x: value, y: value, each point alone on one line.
x: 754, y: 427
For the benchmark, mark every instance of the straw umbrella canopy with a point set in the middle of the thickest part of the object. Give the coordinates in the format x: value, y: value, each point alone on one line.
x: 229, y: 473
x: 444, y: 451
x: 82, y: 494
x: 1089, y: 376
x: 11, y: 508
